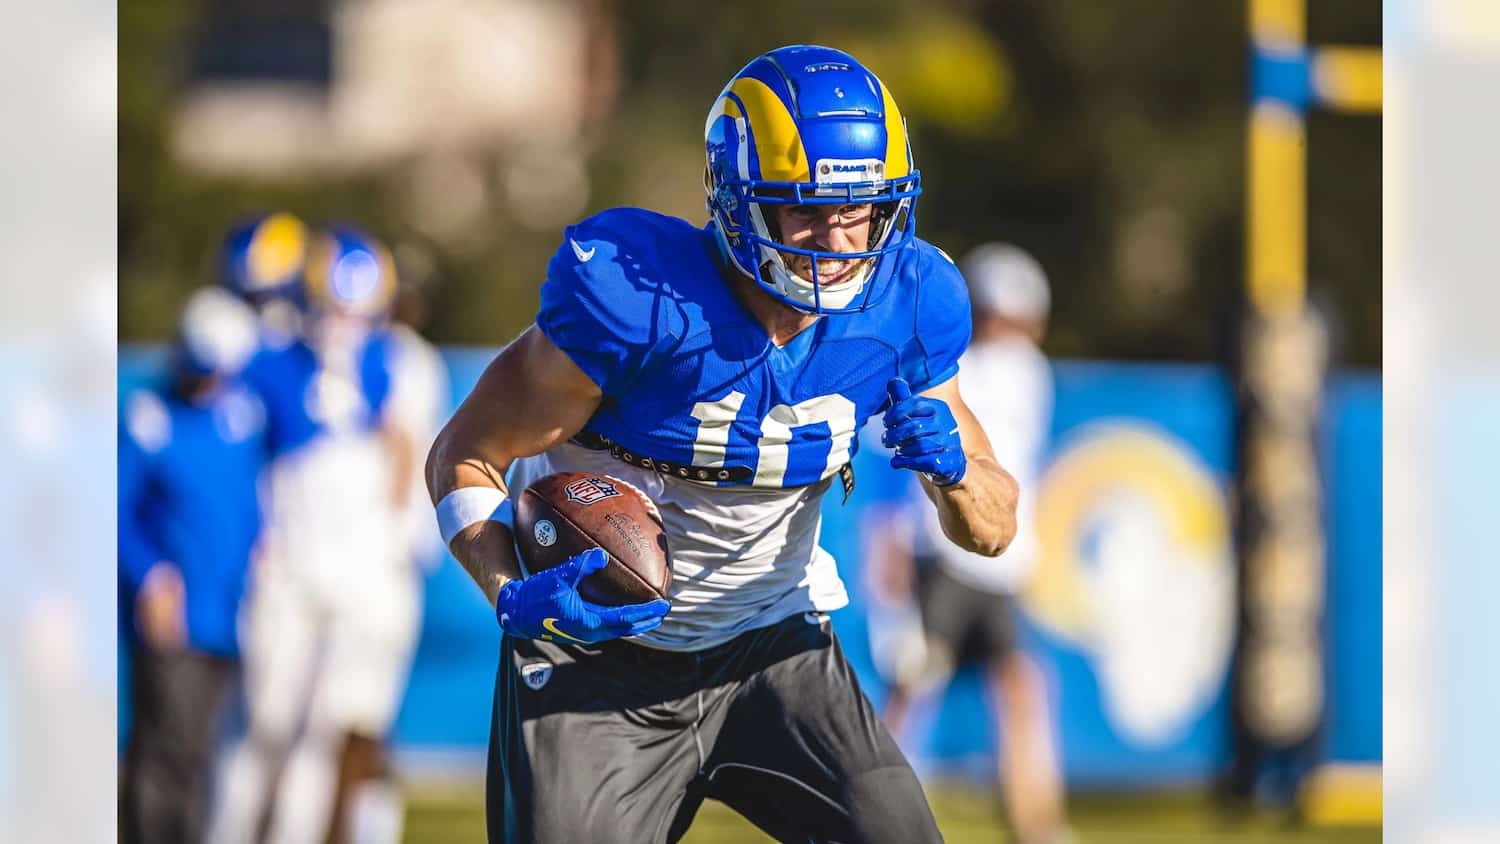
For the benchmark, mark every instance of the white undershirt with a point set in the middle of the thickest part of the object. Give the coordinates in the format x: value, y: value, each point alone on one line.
x: 742, y: 557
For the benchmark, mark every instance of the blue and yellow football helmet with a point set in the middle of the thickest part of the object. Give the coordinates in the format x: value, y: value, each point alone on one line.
x: 263, y: 257
x: 805, y: 125
x: 349, y: 272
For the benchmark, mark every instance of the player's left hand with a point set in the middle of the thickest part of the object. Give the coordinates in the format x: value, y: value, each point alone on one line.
x: 161, y: 607
x: 924, y: 434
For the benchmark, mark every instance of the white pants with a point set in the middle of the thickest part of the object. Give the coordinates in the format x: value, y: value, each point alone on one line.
x: 316, y: 668
x: 329, y: 661
x: 326, y: 635
x: 333, y: 608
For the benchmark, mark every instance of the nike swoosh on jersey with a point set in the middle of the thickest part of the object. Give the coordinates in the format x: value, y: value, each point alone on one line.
x: 583, y: 255
x: 551, y: 625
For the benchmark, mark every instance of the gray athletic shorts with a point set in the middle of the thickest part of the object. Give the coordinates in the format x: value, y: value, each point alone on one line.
x: 973, y: 625
x: 621, y: 743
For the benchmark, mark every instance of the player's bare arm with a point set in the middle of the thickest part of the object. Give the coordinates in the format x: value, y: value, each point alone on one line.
x: 530, y: 398
x: 979, y: 512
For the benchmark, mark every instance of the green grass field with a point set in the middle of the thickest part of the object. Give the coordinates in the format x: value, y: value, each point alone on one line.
x: 965, y: 815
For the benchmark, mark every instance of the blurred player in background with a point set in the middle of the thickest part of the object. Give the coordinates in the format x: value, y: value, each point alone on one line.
x: 723, y: 370
x: 262, y: 261
x: 334, y: 606
x: 944, y: 606
x: 189, y: 459
x: 421, y: 404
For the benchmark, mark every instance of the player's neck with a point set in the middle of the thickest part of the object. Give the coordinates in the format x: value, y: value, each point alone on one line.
x: 780, y: 321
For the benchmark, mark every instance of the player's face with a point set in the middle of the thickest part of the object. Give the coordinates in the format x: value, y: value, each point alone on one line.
x: 829, y: 228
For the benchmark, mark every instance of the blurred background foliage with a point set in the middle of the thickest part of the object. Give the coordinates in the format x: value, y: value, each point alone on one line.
x: 1106, y: 137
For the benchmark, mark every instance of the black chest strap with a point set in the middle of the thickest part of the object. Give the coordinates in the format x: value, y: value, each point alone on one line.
x: 708, y: 474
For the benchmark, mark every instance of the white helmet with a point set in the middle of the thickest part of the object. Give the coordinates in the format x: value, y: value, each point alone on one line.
x: 1006, y: 280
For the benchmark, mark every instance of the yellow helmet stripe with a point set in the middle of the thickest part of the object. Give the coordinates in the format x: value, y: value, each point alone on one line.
x: 777, y: 142
x: 722, y: 106
x: 897, y: 162
x: 277, y: 249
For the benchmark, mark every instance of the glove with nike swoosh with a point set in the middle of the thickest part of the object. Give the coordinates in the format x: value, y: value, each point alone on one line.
x: 547, y: 606
x: 924, y: 434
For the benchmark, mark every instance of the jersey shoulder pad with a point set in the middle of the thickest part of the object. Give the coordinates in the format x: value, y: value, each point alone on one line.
x: 944, y: 322
x: 606, y: 302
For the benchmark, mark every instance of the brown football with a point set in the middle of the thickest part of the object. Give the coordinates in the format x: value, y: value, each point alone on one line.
x: 568, y: 513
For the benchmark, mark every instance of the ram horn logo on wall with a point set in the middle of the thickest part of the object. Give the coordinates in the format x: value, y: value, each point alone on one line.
x: 1136, y: 571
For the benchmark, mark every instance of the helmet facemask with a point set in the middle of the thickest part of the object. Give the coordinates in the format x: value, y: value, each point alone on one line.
x: 781, y: 263
x: 746, y: 204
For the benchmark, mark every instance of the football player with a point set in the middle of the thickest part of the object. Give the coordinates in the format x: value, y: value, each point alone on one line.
x: 966, y: 610
x: 325, y: 664
x: 723, y: 370
x: 185, y: 539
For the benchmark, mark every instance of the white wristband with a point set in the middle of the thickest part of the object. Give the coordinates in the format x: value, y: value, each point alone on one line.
x: 469, y: 504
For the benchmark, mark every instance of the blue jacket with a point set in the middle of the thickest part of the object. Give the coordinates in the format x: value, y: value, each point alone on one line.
x: 187, y: 478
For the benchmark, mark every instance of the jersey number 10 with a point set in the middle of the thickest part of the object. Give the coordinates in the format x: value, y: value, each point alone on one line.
x: 776, y: 459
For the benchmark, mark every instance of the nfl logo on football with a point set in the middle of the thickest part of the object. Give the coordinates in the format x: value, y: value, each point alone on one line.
x: 590, y: 490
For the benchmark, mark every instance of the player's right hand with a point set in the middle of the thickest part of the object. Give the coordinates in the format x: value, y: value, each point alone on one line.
x: 547, y: 606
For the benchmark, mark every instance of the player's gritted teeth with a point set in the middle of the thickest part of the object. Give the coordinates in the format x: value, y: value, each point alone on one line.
x: 829, y: 272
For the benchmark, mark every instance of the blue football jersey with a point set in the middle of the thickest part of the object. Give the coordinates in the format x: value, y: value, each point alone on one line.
x: 641, y: 304
x: 305, y: 397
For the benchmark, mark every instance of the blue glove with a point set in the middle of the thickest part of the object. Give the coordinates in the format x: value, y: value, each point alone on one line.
x: 924, y: 434
x: 547, y: 606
